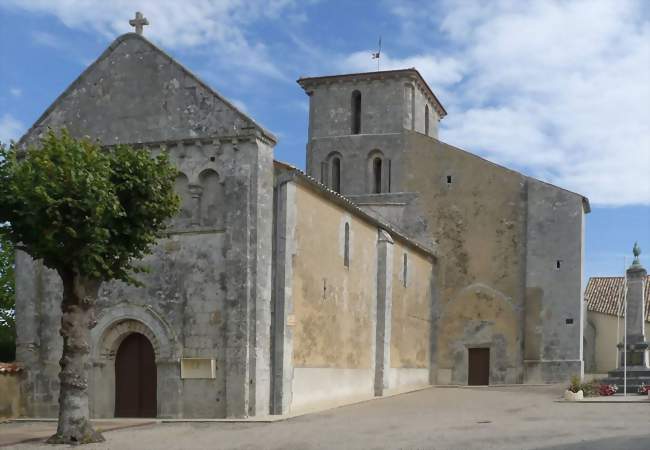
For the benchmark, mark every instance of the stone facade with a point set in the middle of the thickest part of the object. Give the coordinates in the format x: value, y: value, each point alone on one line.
x: 511, y: 246
x: 292, y: 290
x: 209, y: 294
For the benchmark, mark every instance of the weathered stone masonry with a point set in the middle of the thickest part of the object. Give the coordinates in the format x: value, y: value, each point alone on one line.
x: 378, y: 269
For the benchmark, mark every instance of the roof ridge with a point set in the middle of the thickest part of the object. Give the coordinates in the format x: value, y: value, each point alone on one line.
x: 111, y: 47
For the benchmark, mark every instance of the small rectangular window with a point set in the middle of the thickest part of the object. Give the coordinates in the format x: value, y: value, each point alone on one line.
x: 448, y: 179
x: 405, y: 269
x: 569, y: 321
x: 346, y: 249
x: 558, y: 263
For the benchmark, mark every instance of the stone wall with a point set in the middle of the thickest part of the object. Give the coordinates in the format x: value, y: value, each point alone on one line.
x: 333, y: 303
x: 491, y: 225
x: 554, y: 308
x: 207, y: 294
x: 382, y: 104
x: 475, y: 211
x: 10, y: 398
x: 333, y: 308
x: 411, y: 325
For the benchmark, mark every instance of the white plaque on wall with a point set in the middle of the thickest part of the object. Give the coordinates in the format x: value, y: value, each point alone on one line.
x: 198, y: 368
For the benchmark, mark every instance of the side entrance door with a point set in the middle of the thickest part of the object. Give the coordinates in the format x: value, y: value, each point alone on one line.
x: 478, y: 369
x: 135, y: 378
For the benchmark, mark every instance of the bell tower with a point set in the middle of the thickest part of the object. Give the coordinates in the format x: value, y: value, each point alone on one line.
x: 356, y: 127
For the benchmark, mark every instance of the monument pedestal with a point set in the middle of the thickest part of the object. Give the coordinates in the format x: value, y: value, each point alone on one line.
x: 634, y: 356
x: 636, y: 377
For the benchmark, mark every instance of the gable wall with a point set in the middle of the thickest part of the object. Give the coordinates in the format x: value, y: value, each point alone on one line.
x: 135, y: 93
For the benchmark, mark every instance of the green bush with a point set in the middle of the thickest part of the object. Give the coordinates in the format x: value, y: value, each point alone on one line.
x: 589, y: 389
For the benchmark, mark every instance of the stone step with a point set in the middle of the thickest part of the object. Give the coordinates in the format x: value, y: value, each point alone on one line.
x: 636, y: 373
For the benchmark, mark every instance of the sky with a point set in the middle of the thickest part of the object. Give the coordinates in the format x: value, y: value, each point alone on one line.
x: 556, y: 89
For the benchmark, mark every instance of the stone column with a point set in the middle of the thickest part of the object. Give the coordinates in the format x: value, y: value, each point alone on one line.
x: 284, y: 320
x: 637, y: 354
x: 238, y: 279
x: 384, y: 311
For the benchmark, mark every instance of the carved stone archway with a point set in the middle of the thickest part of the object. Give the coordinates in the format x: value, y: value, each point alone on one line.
x: 113, y: 326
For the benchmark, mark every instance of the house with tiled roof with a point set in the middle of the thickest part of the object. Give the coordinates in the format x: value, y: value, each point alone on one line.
x: 604, y: 327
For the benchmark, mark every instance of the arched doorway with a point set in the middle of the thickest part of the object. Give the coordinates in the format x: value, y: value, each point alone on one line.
x: 135, y: 378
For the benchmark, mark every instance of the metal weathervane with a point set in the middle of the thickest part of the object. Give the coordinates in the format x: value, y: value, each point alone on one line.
x: 377, y: 55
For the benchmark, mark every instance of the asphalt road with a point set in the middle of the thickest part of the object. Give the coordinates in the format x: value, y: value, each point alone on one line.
x: 433, y: 419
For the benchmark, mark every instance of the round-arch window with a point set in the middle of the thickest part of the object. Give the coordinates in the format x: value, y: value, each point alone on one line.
x: 376, y: 175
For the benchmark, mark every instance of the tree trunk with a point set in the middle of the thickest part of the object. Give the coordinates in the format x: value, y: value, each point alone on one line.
x: 77, y: 319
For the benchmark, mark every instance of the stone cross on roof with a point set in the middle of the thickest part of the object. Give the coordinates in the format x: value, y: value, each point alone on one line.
x: 139, y: 22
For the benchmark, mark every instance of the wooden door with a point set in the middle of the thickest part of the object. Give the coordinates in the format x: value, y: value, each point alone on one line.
x: 135, y: 378
x: 478, y: 368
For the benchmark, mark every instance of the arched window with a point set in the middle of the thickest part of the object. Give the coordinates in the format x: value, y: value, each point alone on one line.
x: 212, y: 198
x: 356, y: 112
x: 376, y: 175
x: 346, y: 248
x: 409, y: 103
x: 426, y: 120
x: 181, y: 187
x: 336, y: 174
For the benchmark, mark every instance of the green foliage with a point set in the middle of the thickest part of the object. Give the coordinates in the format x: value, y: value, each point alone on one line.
x: 589, y: 389
x: 575, y: 384
x: 7, y: 301
x: 79, y: 207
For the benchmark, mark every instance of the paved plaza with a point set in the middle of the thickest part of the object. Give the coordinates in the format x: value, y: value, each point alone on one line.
x: 521, y: 417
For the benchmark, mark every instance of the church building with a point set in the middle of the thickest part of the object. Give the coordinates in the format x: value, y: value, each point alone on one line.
x: 393, y: 261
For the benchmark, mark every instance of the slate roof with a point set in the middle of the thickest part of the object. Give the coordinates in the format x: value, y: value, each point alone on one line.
x: 605, y: 295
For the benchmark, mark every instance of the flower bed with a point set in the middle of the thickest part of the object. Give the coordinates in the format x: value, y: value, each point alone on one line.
x: 607, y: 389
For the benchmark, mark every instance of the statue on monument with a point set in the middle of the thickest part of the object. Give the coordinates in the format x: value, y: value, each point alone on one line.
x: 636, y: 251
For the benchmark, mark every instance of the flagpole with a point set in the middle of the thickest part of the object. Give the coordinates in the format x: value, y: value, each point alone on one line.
x: 625, y: 347
x: 377, y: 55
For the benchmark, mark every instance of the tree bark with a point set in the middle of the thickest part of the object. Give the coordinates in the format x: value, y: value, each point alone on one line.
x: 77, y: 319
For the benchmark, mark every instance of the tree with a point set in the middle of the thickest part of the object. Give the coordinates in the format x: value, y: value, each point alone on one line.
x: 90, y: 214
x: 7, y: 301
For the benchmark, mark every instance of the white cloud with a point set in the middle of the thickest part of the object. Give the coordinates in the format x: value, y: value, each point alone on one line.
x: 10, y: 128
x: 557, y: 89
x: 438, y: 71
x: 50, y: 40
x: 16, y: 92
x: 217, y: 26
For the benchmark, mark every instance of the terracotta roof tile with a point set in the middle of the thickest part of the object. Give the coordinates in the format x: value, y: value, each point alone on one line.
x: 605, y: 295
